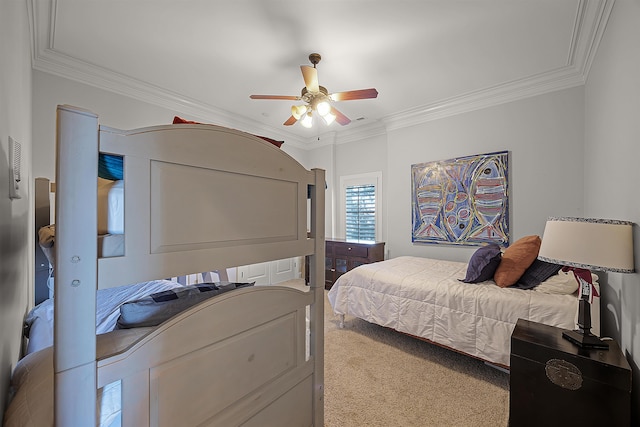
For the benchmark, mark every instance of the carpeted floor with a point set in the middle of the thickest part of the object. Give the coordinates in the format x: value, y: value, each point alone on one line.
x: 378, y: 377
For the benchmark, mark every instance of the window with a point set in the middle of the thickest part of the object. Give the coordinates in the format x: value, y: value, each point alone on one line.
x: 360, y: 210
x: 360, y: 207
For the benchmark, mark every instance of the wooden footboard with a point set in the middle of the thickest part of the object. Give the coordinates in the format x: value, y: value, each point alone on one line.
x: 217, y: 365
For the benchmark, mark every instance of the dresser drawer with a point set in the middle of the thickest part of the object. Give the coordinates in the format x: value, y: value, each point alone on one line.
x: 342, y: 256
x: 352, y: 250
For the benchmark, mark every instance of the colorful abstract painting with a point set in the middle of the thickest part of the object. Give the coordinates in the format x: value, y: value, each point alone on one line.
x: 461, y: 201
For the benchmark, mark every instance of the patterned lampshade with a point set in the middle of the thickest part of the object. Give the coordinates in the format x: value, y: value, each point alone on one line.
x: 593, y: 244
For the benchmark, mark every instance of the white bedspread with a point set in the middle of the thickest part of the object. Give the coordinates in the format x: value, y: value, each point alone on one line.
x: 424, y: 297
x: 108, y: 303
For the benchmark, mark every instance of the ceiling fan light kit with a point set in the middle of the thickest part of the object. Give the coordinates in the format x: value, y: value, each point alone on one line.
x: 317, y: 98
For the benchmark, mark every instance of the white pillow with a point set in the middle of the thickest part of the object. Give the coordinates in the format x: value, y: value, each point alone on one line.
x: 561, y: 283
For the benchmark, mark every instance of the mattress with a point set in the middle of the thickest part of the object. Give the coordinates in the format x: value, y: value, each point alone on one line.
x: 39, y: 321
x: 110, y: 245
x: 424, y: 297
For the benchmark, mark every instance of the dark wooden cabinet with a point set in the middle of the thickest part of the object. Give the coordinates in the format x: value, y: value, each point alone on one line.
x: 553, y: 382
x: 342, y: 256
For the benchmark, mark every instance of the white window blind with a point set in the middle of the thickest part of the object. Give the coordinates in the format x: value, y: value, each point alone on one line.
x: 360, y: 210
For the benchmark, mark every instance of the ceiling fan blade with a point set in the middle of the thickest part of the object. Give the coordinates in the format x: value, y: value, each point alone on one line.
x: 291, y: 120
x: 310, y: 76
x: 340, y: 118
x: 354, y: 94
x: 286, y: 97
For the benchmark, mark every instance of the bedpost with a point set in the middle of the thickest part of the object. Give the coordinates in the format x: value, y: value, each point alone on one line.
x: 316, y: 281
x: 76, y: 268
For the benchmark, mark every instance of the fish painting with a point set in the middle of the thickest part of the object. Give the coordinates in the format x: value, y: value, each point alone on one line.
x: 488, y: 198
x: 457, y: 216
x: 428, y: 199
x: 462, y: 201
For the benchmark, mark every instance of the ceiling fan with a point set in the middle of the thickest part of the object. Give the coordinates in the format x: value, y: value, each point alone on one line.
x: 317, y: 98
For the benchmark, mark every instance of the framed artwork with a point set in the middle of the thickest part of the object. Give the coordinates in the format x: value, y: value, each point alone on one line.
x: 462, y: 201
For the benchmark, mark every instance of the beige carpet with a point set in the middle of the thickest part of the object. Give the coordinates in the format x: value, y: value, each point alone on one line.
x: 378, y: 377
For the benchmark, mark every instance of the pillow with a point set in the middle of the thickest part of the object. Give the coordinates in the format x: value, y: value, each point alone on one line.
x: 516, y: 259
x: 156, y: 308
x: 483, y: 264
x: 564, y: 283
x: 110, y: 167
x: 537, y: 273
x: 179, y: 120
x: 46, y: 240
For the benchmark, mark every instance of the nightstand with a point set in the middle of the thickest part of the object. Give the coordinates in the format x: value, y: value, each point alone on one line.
x: 553, y: 382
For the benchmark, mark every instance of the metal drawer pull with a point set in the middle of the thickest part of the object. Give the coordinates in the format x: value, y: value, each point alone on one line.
x: 563, y: 374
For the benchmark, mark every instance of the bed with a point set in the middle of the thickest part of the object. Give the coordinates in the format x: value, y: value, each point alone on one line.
x: 196, y: 198
x: 427, y: 298
x: 110, y: 237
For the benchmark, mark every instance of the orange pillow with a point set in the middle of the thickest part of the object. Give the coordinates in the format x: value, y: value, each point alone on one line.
x: 516, y: 259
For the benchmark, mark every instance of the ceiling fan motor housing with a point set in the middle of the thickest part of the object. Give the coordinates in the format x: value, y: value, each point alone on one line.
x: 315, y: 58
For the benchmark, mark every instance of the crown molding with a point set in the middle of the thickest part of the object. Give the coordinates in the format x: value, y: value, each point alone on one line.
x: 367, y: 131
x: 589, y: 26
x: 564, y: 78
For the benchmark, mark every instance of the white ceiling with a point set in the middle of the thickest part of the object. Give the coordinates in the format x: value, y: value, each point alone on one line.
x: 427, y: 59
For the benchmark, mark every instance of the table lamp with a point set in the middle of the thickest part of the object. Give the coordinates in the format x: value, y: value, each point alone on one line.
x: 592, y: 244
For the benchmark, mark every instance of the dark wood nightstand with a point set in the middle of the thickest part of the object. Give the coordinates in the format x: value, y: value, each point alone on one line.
x: 553, y: 382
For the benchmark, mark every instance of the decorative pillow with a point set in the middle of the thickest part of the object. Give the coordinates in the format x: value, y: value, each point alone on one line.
x: 110, y: 167
x: 179, y: 120
x: 537, y: 273
x: 158, y: 307
x: 516, y: 259
x: 564, y: 283
x: 483, y: 264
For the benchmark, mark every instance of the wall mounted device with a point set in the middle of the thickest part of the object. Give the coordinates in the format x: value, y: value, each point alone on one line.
x: 15, y: 160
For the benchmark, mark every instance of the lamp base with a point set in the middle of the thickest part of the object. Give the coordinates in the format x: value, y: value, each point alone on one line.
x: 585, y: 340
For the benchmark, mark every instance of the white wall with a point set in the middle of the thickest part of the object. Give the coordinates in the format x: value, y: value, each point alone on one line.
x: 16, y: 239
x: 544, y: 137
x: 323, y: 157
x: 360, y: 157
x: 612, y: 172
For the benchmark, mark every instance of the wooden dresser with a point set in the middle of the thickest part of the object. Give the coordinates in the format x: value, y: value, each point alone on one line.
x: 342, y: 256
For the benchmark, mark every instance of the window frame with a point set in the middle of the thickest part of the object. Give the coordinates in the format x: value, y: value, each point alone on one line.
x: 371, y: 178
